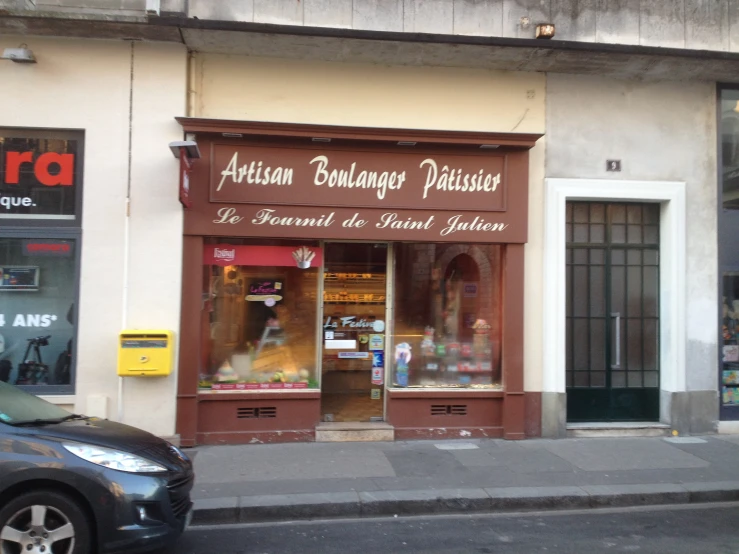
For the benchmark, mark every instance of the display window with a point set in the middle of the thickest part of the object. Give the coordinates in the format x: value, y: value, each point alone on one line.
x: 730, y: 336
x: 259, y: 315
x: 38, y: 287
x: 447, y: 316
x: 729, y: 124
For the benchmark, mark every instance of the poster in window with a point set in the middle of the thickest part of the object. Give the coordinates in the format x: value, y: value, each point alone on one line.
x: 731, y: 352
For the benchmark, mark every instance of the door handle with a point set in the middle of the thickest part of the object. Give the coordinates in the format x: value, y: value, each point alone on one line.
x: 617, y: 340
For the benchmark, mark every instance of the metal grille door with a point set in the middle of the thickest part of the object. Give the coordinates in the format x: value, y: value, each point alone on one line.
x: 612, y: 366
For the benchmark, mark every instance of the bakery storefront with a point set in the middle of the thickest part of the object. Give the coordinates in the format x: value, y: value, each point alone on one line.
x: 352, y: 280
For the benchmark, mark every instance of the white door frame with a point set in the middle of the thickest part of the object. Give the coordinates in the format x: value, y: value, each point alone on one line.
x: 671, y: 196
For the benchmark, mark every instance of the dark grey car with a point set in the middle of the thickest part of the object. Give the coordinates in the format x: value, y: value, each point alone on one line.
x: 70, y: 484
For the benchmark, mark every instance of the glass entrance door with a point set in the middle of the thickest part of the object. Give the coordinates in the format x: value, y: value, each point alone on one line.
x: 353, y: 342
x: 612, y: 365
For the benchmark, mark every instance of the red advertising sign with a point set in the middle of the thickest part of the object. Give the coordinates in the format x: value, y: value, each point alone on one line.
x: 270, y: 256
x: 47, y: 247
x: 38, y: 178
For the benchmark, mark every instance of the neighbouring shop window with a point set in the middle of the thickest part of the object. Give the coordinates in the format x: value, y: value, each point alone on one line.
x: 730, y: 336
x: 447, y: 316
x: 730, y: 148
x: 38, y: 283
x: 259, y: 315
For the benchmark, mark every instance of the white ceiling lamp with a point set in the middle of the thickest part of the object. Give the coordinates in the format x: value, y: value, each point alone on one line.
x: 22, y: 54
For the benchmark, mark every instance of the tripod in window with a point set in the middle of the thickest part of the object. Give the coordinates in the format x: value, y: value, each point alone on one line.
x: 32, y: 370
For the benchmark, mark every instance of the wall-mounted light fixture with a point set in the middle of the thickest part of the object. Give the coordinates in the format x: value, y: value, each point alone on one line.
x: 191, y: 148
x: 545, y: 30
x: 22, y: 54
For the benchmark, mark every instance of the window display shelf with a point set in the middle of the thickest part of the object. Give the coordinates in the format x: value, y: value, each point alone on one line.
x: 354, y: 299
x: 448, y: 372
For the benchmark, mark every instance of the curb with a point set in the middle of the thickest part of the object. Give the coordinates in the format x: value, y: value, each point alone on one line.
x: 288, y: 507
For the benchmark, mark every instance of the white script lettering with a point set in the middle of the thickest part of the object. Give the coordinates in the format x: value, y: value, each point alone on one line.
x: 390, y: 220
x: 382, y: 181
x: 348, y: 321
x: 455, y: 224
x: 354, y: 221
x: 255, y: 174
x: 268, y: 217
x: 452, y: 179
x: 227, y: 215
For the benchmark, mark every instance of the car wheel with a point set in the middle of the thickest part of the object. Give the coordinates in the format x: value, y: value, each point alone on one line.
x: 46, y: 522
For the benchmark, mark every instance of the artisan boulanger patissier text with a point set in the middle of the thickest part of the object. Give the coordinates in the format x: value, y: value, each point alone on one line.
x: 436, y: 178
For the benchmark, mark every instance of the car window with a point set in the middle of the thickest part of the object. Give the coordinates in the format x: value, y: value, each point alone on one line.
x: 18, y: 406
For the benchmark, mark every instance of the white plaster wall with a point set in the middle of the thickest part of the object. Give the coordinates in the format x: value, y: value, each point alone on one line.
x: 155, y: 260
x: 533, y: 356
x: 661, y: 132
x: 299, y: 91
x: 86, y: 85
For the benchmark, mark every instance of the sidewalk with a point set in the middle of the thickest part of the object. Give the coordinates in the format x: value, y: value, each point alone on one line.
x: 272, y: 482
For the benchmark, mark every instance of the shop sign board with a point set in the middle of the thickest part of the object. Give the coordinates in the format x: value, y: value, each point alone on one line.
x: 38, y: 178
x: 368, y: 193
x: 362, y: 179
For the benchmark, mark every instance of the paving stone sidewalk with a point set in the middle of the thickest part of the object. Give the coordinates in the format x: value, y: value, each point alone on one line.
x: 267, y: 482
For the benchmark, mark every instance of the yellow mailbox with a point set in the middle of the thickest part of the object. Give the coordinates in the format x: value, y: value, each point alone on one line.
x: 145, y: 353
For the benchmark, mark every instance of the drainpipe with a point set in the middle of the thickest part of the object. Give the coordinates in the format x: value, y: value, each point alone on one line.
x: 192, y: 93
x: 127, y: 225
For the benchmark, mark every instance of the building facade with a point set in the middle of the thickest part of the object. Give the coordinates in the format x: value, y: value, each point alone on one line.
x: 412, y: 223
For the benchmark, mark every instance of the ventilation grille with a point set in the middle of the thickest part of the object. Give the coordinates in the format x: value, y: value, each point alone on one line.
x: 448, y: 409
x: 256, y: 413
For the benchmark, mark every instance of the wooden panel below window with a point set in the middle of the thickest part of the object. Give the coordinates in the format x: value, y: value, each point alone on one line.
x: 244, y: 420
x: 453, y: 416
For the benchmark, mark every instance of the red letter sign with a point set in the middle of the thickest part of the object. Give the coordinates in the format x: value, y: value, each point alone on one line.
x: 66, y: 171
x: 65, y: 177
x: 13, y: 161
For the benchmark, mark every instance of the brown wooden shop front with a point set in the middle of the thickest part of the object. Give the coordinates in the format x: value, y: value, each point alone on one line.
x: 338, y: 274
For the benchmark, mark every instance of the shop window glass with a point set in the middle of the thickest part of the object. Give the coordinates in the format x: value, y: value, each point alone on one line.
x: 730, y: 336
x: 38, y: 282
x: 447, y: 316
x: 730, y: 148
x: 259, y: 315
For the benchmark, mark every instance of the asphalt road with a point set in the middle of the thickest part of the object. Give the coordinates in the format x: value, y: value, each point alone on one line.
x: 701, y: 529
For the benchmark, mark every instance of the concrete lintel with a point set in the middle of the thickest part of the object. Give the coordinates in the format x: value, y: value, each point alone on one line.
x: 397, y: 48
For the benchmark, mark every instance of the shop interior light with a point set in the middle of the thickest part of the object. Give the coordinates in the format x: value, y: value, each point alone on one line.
x: 545, y: 30
x: 190, y: 146
x: 22, y: 54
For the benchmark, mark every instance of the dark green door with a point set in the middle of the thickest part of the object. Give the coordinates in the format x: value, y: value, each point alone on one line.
x: 612, y: 365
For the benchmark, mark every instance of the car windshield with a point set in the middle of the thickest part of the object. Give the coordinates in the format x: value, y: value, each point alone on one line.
x: 17, y: 406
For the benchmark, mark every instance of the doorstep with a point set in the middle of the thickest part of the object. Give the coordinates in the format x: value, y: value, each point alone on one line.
x: 618, y: 429
x: 350, y: 431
